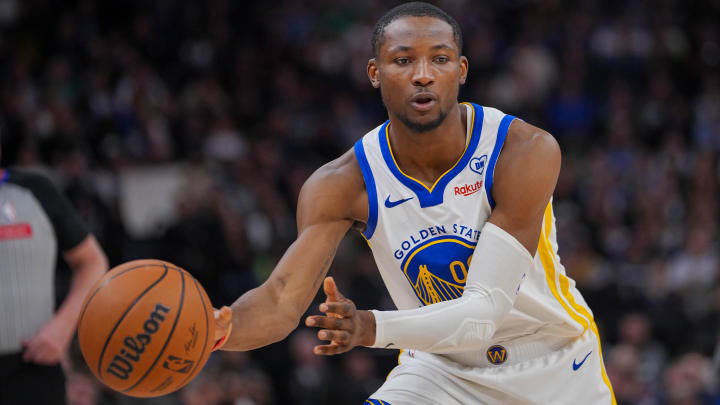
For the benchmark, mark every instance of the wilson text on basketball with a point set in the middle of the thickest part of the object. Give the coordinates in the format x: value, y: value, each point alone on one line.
x: 123, y: 363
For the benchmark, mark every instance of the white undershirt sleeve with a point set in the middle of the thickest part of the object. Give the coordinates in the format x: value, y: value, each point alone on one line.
x: 498, y: 267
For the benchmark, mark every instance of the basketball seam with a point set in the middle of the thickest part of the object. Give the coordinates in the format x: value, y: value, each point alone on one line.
x: 207, y: 329
x: 112, y: 332
x: 177, y: 318
x: 105, y: 283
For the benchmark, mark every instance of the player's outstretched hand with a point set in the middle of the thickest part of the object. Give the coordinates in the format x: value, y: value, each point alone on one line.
x: 223, y: 322
x: 343, y: 325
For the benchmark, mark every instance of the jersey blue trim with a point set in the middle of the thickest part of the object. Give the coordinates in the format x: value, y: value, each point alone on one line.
x: 370, y: 187
x: 501, y: 134
x: 434, y: 196
x: 5, y: 176
x: 373, y: 401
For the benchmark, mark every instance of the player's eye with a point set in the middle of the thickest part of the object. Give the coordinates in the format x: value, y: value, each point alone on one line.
x: 441, y: 59
x: 402, y: 61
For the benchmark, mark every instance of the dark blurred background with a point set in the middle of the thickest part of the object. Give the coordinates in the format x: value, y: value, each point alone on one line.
x: 183, y: 130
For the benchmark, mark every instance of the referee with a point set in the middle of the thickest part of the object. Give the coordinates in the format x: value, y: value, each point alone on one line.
x: 35, y: 222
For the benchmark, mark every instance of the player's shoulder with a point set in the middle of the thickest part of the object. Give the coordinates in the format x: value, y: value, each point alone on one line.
x: 342, y: 173
x: 336, y: 188
x: 530, y: 141
x: 530, y: 158
x: 523, y: 138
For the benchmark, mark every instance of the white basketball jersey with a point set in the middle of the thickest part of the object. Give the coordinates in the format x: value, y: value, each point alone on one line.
x: 423, y: 238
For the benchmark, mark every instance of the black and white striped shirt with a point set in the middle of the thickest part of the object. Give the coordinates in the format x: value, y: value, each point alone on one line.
x: 35, y: 221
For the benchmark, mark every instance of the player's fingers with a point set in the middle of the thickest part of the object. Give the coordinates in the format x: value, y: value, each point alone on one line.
x: 336, y: 336
x: 223, y: 315
x: 331, y: 290
x: 332, y: 348
x: 326, y: 322
x: 343, y: 308
x: 223, y: 319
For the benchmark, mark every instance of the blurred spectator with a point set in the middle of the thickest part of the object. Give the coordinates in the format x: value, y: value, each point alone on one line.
x: 358, y: 379
x: 687, y: 380
x: 309, y: 383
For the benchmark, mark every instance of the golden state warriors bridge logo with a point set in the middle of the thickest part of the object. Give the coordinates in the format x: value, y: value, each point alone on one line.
x: 437, y: 269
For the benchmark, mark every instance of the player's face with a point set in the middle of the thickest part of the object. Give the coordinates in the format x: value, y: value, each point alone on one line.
x: 419, y: 71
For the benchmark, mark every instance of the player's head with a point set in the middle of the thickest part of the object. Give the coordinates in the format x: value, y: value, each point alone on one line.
x: 413, y: 9
x: 417, y: 64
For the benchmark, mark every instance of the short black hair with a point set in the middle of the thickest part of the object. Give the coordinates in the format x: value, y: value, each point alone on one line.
x: 413, y: 9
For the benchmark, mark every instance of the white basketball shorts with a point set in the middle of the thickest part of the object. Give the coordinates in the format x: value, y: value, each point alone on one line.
x: 572, y: 373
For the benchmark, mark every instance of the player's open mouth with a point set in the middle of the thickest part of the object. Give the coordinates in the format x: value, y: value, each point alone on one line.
x: 423, y: 101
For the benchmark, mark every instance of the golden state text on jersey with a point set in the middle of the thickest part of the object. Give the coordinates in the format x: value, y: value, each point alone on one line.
x: 435, y: 261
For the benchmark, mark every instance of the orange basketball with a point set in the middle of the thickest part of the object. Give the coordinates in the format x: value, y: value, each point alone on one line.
x: 146, y: 328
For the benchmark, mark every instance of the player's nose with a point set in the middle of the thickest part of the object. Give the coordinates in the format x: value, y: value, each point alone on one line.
x: 423, y: 74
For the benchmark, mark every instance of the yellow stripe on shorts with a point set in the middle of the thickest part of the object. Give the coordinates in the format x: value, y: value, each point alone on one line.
x: 578, y: 312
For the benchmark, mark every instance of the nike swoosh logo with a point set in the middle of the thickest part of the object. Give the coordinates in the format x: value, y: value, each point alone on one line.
x: 391, y: 204
x: 578, y: 365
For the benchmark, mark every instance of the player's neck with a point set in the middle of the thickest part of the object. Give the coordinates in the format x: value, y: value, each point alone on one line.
x: 427, y: 155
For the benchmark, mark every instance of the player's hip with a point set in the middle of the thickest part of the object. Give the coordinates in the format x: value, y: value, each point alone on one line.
x: 563, y: 375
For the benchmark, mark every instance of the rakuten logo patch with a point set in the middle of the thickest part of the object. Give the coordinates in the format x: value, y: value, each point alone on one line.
x: 468, y: 189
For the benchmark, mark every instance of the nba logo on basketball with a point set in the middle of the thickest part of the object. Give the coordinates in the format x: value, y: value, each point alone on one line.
x: 496, y: 354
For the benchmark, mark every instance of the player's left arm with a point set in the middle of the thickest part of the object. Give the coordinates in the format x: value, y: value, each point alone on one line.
x: 524, y: 180
x: 88, y: 263
x: 525, y: 177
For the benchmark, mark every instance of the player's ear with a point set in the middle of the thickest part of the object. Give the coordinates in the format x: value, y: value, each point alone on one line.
x: 464, y: 65
x: 373, y: 73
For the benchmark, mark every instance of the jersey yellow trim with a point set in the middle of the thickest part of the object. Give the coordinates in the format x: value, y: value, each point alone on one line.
x: 594, y: 329
x: 563, y: 279
x: 548, y: 263
x: 467, y: 143
x: 366, y: 240
x: 582, y: 316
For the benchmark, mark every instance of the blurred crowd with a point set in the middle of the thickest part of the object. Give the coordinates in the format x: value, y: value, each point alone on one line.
x: 183, y: 130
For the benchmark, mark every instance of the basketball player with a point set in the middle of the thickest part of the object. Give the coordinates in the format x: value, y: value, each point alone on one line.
x: 455, y: 203
x: 35, y: 222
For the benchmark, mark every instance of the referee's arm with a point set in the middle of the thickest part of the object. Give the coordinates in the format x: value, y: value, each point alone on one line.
x: 88, y: 263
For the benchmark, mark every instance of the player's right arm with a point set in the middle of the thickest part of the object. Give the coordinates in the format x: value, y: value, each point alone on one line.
x: 328, y: 205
